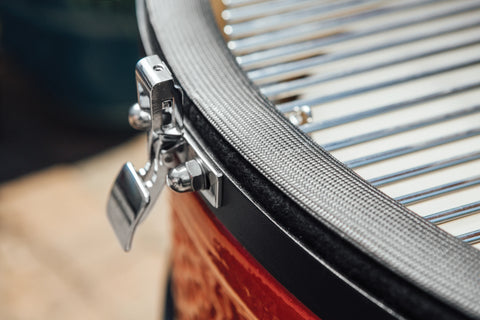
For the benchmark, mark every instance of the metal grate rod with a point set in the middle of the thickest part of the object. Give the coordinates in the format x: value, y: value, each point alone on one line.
x: 277, y: 90
x: 429, y: 167
x: 438, y: 190
x: 318, y: 12
x: 470, y: 237
x: 288, y: 35
x: 454, y: 213
x: 317, y: 46
x: 261, y: 9
x: 398, y: 129
x: 378, y: 85
x: 237, y: 3
x: 315, y: 126
x: 392, y: 153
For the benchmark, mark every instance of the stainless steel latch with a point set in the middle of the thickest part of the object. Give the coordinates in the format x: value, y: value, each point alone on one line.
x: 173, y: 154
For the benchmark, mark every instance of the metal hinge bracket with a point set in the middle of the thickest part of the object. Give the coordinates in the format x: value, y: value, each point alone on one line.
x: 159, y: 112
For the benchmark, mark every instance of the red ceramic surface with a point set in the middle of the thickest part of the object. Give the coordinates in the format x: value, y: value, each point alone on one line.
x: 214, y: 277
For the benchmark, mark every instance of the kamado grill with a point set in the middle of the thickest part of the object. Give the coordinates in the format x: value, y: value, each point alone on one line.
x: 328, y: 153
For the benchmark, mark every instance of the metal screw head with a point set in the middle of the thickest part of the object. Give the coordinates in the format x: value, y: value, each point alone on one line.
x: 299, y: 115
x: 197, y: 174
x: 186, y: 177
x: 139, y: 118
x: 178, y: 179
x: 158, y: 67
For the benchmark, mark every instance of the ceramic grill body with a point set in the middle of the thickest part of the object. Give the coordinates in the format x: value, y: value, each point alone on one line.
x: 268, y: 223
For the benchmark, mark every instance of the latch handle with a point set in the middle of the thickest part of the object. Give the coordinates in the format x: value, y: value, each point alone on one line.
x: 135, y: 192
x: 159, y: 112
x: 129, y: 203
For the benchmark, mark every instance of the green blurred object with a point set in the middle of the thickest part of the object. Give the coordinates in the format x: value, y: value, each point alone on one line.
x: 82, y: 51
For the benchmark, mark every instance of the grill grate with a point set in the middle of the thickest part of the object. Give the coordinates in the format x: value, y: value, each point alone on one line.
x: 392, y: 89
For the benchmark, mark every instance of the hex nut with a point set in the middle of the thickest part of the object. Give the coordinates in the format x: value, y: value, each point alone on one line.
x: 197, y: 174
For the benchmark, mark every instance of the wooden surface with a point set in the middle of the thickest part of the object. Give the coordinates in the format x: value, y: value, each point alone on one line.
x: 59, y: 258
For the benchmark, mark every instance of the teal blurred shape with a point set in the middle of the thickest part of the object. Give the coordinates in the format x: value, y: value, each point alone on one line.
x: 82, y: 51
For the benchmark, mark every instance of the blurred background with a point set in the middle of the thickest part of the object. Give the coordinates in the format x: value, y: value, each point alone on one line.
x: 66, y: 82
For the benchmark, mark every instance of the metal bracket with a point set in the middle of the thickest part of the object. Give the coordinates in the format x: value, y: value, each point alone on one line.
x: 159, y: 112
x: 135, y: 192
x: 213, y: 192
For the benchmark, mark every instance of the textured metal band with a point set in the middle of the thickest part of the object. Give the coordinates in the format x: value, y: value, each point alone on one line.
x: 379, y: 226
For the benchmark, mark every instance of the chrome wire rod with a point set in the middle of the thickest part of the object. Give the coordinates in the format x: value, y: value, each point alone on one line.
x: 329, y: 10
x: 315, y: 126
x: 306, y: 31
x: 454, y: 213
x: 392, y: 153
x: 329, y: 26
x: 373, y: 135
x: 274, y: 90
x: 438, y: 190
x: 470, y: 237
x: 261, y: 9
x: 318, y: 47
x: 237, y: 3
x: 284, y: 107
x: 425, y: 168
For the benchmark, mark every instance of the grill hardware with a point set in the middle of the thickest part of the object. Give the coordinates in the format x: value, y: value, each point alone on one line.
x: 159, y: 112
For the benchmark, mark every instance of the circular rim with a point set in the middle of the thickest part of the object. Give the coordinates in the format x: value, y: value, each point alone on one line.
x: 328, y: 191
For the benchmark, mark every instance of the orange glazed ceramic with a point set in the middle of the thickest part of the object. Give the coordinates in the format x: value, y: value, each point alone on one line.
x: 213, y: 275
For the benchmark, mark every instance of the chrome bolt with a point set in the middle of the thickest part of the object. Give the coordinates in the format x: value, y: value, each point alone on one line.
x: 186, y: 177
x: 139, y: 118
x: 299, y: 115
